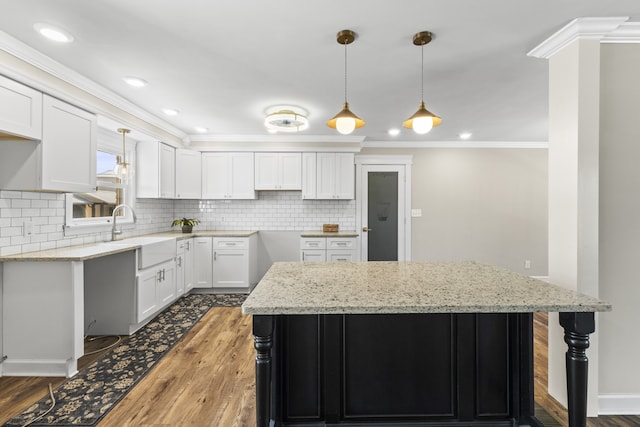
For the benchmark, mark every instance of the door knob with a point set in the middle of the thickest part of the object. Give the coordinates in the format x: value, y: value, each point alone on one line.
x: 366, y: 229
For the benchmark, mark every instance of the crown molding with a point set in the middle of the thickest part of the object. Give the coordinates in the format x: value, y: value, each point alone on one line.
x: 613, y: 30
x: 456, y: 144
x: 335, y: 139
x: 37, y: 59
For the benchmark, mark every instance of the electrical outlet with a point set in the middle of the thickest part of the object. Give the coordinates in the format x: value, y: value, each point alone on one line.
x: 527, y: 264
x: 27, y: 228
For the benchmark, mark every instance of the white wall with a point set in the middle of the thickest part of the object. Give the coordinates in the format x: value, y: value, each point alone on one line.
x: 620, y: 227
x: 483, y: 204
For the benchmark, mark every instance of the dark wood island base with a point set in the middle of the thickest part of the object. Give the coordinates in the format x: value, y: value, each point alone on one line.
x: 413, y: 370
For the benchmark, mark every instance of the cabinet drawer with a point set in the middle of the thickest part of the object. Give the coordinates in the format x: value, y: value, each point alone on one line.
x: 337, y: 255
x: 341, y: 243
x: 313, y: 243
x: 230, y: 243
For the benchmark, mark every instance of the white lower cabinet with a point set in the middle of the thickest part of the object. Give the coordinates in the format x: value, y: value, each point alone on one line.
x: 329, y: 249
x: 202, y: 258
x: 156, y: 287
x: 234, y: 262
x: 184, y: 266
x: 180, y: 269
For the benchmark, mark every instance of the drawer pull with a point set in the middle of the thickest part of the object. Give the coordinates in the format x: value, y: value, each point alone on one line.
x: 341, y: 243
x: 341, y: 259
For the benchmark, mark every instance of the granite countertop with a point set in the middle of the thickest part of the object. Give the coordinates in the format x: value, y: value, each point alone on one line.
x: 329, y: 234
x: 96, y: 250
x: 408, y: 287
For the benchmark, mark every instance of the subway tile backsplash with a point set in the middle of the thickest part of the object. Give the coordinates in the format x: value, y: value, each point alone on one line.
x: 272, y: 211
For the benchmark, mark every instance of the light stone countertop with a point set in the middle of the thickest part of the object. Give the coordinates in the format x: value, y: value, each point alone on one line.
x: 408, y: 287
x: 96, y: 250
x: 329, y: 234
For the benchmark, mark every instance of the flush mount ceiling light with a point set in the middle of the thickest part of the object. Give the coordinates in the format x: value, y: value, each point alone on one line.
x: 135, y: 81
x: 122, y: 167
x: 345, y: 121
x: 53, y: 33
x: 286, y: 118
x: 423, y: 120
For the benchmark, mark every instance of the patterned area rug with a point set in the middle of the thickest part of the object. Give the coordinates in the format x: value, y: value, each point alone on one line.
x: 87, y: 397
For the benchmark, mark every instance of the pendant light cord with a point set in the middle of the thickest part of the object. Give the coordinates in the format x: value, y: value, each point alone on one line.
x: 345, y: 72
x: 422, y: 74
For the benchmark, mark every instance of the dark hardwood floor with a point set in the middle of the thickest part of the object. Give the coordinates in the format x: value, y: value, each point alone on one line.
x: 208, y: 380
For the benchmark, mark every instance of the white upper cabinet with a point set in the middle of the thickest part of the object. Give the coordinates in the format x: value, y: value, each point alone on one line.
x: 228, y: 176
x: 64, y: 160
x: 278, y: 171
x: 155, y: 170
x: 335, y: 177
x: 20, y: 110
x: 188, y: 174
x: 309, y: 175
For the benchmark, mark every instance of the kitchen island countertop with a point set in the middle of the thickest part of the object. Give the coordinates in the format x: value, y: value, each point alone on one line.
x: 408, y: 287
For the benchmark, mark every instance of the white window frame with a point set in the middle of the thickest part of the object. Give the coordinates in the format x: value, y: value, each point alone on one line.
x: 108, y: 142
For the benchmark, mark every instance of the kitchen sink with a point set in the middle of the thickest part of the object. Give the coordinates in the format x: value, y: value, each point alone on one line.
x: 151, y: 251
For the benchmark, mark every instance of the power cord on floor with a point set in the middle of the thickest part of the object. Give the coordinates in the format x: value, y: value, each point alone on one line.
x: 119, y: 338
x: 39, y: 417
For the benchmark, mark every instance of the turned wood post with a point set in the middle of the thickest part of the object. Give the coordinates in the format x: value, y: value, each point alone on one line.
x: 577, y: 327
x: 263, y: 341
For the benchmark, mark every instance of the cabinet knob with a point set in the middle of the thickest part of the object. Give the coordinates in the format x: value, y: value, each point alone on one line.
x: 366, y: 229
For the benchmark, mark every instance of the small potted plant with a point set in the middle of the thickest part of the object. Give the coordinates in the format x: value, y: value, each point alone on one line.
x: 186, y: 224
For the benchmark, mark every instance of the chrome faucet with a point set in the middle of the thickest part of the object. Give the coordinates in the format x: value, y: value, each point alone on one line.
x: 115, y: 232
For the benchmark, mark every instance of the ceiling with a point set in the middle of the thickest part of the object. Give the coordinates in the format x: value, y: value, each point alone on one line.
x: 223, y: 63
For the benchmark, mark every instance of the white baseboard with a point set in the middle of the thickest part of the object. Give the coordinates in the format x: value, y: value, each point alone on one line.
x: 39, y: 368
x: 619, y: 404
x: 543, y: 278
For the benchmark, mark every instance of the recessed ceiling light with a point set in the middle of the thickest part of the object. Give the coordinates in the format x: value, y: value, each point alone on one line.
x: 465, y: 135
x: 170, y: 111
x: 201, y: 129
x: 53, y: 33
x: 135, y: 81
x: 394, y: 132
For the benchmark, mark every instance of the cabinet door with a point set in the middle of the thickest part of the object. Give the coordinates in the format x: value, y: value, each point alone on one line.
x: 291, y: 171
x: 266, y: 171
x: 345, y: 176
x: 309, y: 173
x: 242, y: 176
x: 180, y: 274
x: 188, y: 265
x: 146, y: 293
x: 166, y: 286
x: 215, y: 176
x: 147, y: 169
x: 20, y: 110
x: 69, y: 142
x: 230, y: 269
x: 167, y: 179
x: 325, y: 178
x: 313, y: 255
x: 202, y: 262
x: 188, y: 174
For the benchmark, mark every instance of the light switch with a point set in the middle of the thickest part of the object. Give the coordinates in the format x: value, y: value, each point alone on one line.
x: 416, y: 212
x: 27, y: 228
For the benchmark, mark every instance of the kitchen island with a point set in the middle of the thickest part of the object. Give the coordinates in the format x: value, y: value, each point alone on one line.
x: 407, y: 344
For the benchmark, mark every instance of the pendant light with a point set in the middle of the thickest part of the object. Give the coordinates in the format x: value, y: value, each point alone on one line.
x: 122, y: 167
x: 345, y: 121
x: 423, y: 120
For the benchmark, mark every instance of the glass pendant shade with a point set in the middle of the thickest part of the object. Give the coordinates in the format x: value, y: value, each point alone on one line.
x: 345, y: 121
x: 122, y: 167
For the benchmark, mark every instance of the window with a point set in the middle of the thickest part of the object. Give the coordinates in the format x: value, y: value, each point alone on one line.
x: 87, y: 210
